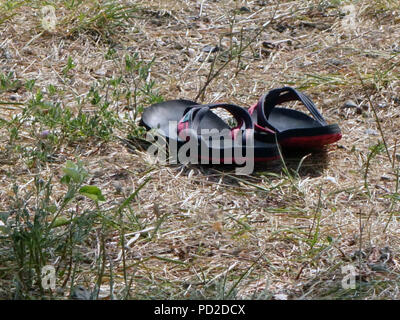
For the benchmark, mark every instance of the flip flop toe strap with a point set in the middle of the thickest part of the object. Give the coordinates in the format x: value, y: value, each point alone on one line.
x: 193, y: 117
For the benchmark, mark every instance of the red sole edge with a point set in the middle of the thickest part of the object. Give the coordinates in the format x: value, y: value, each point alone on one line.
x: 310, y: 142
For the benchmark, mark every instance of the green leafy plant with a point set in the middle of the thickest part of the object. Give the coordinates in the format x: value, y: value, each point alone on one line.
x: 101, y: 18
x: 31, y: 227
x: 8, y: 82
x: 68, y: 67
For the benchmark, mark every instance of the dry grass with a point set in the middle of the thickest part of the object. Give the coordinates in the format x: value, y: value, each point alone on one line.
x: 201, y: 231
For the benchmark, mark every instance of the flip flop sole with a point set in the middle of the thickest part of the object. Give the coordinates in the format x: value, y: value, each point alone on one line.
x: 299, y: 131
x: 310, y: 142
x: 311, y: 138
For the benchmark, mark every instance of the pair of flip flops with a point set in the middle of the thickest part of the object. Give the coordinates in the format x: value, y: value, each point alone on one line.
x: 257, y: 128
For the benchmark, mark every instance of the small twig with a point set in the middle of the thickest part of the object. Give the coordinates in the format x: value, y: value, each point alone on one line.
x: 378, y: 122
x: 361, y: 228
x: 11, y: 103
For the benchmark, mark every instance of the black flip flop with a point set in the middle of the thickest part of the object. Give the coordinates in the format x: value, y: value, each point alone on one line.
x: 294, y: 129
x: 198, y: 122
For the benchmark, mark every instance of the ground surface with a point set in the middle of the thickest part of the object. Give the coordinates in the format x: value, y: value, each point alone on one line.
x: 74, y: 92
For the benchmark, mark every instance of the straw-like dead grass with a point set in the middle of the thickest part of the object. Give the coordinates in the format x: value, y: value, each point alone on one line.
x: 204, y: 232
